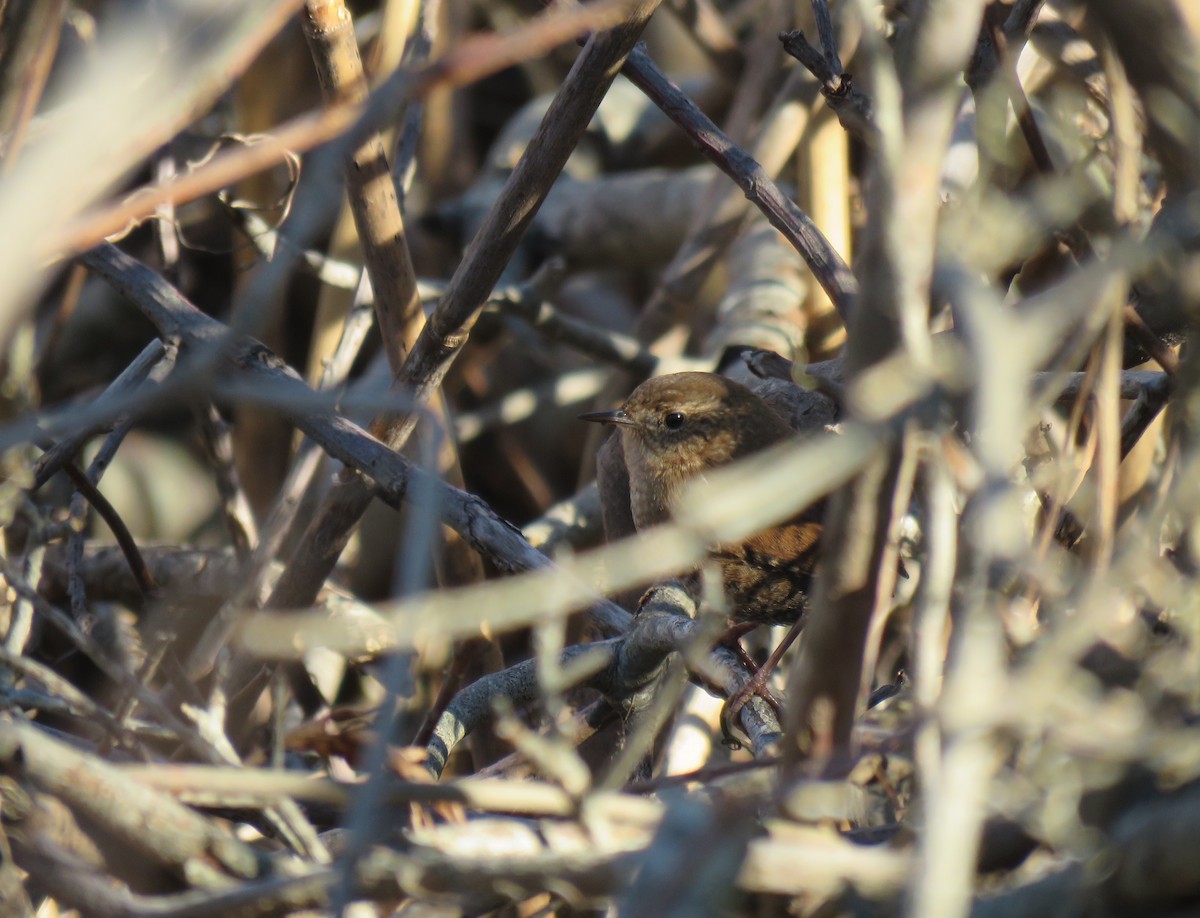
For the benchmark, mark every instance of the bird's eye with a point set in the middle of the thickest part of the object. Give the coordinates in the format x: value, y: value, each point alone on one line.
x: 674, y: 420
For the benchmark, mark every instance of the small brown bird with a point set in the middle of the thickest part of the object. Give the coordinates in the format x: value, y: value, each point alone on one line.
x: 676, y: 427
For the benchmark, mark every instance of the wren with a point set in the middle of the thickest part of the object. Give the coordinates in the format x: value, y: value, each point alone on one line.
x: 676, y: 427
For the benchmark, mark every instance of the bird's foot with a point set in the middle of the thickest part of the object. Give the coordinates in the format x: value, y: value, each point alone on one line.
x: 732, y: 639
x: 733, y: 706
x: 758, y: 681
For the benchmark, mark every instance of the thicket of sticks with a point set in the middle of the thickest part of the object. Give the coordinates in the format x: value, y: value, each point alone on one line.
x: 308, y: 605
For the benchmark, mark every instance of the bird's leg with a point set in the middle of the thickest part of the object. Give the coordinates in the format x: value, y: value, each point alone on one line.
x: 758, y: 682
x: 733, y: 635
x: 732, y: 639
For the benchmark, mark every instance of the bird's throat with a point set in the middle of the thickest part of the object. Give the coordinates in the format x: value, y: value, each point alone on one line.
x: 654, y: 485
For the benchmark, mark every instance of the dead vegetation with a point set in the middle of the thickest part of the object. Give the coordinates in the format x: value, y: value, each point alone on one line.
x: 308, y: 601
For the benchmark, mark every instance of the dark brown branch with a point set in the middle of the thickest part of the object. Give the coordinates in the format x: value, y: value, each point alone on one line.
x: 1015, y: 32
x: 1020, y: 102
x: 1150, y: 341
x: 785, y: 215
x: 125, y: 539
x: 1145, y: 408
x: 497, y: 239
x: 825, y: 33
x: 851, y: 105
x: 108, y: 449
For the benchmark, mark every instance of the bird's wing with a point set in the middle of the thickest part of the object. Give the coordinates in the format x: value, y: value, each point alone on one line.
x: 790, y: 547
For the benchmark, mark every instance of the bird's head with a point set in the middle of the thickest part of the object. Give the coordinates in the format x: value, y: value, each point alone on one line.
x: 694, y: 420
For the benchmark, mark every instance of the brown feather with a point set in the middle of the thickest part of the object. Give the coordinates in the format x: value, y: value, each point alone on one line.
x: 768, y: 577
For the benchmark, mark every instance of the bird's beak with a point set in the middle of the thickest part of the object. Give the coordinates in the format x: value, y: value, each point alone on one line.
x: 618, y: 417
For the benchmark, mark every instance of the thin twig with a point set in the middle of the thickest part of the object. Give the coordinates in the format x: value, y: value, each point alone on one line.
x: 133, y: 555
x: 825, y: 33
x: 235, y: 507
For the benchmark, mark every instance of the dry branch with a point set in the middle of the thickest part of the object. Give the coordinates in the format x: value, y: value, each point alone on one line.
x: 196, y: 849
x: 372, y: 194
